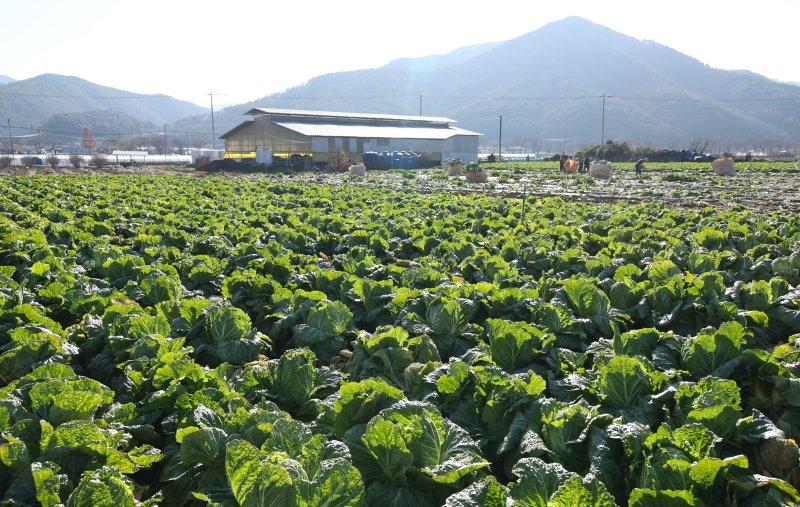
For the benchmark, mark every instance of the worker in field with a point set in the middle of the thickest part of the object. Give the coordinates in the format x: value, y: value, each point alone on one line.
x: 561, y: 160
x: 491, y: 158
x: 640, y: 165
x: 586, y: 162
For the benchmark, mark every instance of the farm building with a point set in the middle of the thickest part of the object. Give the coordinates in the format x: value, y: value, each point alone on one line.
x: 319, y: 136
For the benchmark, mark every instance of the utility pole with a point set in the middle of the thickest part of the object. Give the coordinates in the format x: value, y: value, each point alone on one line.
x: 165, y: 139
x: 603, y: 125
x: 10, y: 142
x: 500, y: 141
x: 213, y: 133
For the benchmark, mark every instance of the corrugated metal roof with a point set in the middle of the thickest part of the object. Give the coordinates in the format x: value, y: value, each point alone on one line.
x: 335, y: 114
x: 374, y: 131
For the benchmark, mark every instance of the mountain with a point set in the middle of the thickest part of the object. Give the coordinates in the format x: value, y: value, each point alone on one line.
x: 106, y: 123
x: 434, y: 62
x: 35, y: 101
x: 6, y: 80
x: 550, y: 83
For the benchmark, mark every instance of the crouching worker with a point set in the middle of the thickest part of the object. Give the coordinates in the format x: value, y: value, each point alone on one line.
x: 640, y: 165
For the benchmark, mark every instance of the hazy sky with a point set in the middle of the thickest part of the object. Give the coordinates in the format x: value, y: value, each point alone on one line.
x: 244, y: 50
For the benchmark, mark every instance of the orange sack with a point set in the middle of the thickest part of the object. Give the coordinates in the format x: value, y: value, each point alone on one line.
x: 571, y: 166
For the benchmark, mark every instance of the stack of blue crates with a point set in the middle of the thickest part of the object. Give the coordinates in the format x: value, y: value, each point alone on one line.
x: 381, y: 161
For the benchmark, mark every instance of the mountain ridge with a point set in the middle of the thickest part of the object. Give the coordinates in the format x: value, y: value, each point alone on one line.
x: 572, y: 79
x: 551, y: 83
x: 37, y: 99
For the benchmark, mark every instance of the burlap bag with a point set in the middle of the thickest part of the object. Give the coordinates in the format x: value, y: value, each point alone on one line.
x: 600, y: 170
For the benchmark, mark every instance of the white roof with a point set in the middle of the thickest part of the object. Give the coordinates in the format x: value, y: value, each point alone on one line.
x: 336, y: 114
x: 374, y: 131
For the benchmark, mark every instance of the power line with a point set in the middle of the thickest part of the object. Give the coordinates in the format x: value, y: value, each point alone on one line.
x: 99, y: 97
x: 438, y: 95
x: 491, y: 97
x: 366, y: 97
x: 687, y: 99
x: 102, y: 134
x: 622, y: 97
x: 342, y: 97
x: 575, y: 97
x: 483, y: 118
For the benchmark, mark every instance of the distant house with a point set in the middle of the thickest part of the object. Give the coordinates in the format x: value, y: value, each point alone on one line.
x: 322, y: 135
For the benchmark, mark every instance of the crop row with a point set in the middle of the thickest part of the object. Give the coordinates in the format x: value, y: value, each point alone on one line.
x: 213, y: 341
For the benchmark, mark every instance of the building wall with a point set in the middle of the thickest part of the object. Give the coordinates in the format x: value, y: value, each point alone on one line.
x: 262, y: 134
x: 463, y: 147
x: 415, y: 145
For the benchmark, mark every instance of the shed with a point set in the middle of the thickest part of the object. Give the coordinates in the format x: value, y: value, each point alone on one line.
x: 321, y: 136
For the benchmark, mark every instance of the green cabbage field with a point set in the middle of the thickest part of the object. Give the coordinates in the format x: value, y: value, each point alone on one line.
x: 275, y: 341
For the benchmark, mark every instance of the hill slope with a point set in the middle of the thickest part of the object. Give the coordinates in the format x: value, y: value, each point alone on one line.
x: 549, y: 83
x: 34, y: 101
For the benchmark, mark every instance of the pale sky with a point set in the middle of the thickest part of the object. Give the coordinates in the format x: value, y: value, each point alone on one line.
x: 244, y: 50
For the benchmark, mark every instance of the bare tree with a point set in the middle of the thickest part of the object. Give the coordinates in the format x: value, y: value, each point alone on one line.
x: 147, y: 142
x: 98, y: 161
x: 698, y: 145
x: 28, y: 161
x: 131, y: 143
x: 177, y: 141
x: 88, y: 143
x: 157, y: 142
x: 108, y: 144
x: 52, y: 161
x: 37, y: 141
x: 76, y: 161
x: 5, y: 162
